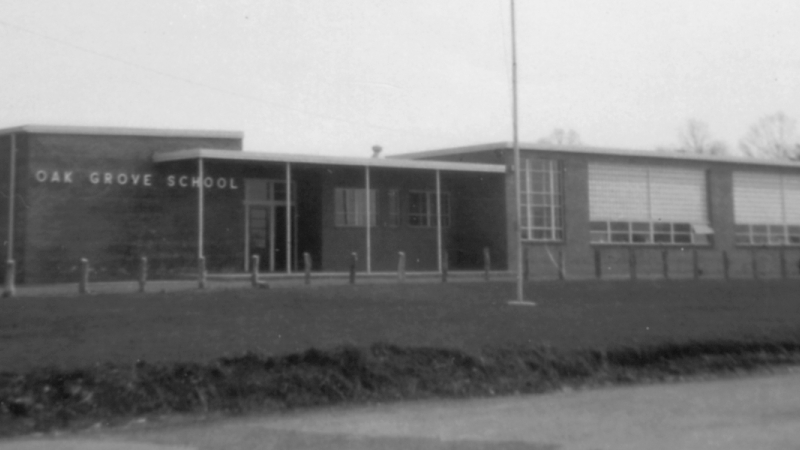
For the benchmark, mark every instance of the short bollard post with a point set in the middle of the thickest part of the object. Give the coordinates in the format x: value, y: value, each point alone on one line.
x: 255, y: 263
x: 401, y: 267
x: 632, y: 263
x: 307, y: 267
x: 665, y: 264
x: 10, y: 289
x: 201, y: 272
x: 487, y: 263
x: 142, y: 273
x: 598, y: 264
x: 726, y: 265
x: 353, y: 261
x: 754, y: 263
x: 695, y: 264
x: 561, y: 265
x: 83, y: 284
x: 525, y: 264
x: 783, y: 264
x: 445, y: 266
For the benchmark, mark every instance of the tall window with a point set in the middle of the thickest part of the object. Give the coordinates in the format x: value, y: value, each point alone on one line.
x: 351, y: 207
x: 394, y: 208
x: 766, y: 208
x: 422, y: 209
x: 541, y: 218
x: 637, y: 204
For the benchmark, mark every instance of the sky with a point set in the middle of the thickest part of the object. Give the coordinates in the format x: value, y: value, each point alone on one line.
x: 336, y: 77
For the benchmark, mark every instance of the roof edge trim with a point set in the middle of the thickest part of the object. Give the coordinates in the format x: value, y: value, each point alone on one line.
x: 121, y: 131
x: 252, y: 156
x: 596, y: 151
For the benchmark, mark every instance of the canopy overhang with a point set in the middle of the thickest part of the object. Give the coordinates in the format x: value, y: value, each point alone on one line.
x: 250, y: 156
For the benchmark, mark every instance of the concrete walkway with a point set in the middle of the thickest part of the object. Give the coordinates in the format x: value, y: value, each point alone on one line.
x: 243, y: 281
x: 745, y: 413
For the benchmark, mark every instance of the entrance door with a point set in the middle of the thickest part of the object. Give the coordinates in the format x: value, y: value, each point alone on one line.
x: 261, y: 237
x: 280, y: 237
x: 267, y: 237
x: 265, y: 203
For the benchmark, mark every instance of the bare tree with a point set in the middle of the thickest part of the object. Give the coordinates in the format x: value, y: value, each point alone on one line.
x: 695, y: 138
x: 562, y: 137
x: 773, y: 136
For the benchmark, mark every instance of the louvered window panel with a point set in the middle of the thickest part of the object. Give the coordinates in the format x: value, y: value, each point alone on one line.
x: 757, y: 198
x: 766, y: 208
x: 677, y: 195
x: 618, y: 192
x: 791, y: 199
x: 638, y: 204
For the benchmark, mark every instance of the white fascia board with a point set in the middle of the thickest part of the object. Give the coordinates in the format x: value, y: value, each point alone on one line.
x: 233, y: 155
x: 118, y: 131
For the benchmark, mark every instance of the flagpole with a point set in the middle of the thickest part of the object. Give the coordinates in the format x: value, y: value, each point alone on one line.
x: 520, y: 300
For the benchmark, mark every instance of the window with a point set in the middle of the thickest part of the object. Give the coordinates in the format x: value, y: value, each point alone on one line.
x: 351, y: 207
x: 647, y: 233
x: 637, y: 204
x: 394, y: 208
x: 422, y: 209
x: 540, y: 205
x: 766, y: 208
x: 259, y: 191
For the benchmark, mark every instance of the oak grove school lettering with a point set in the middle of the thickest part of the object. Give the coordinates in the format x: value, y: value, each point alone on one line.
x: 134, y: 179
x: 112, y: 195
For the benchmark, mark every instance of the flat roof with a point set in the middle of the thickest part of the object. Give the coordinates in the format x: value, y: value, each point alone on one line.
x: 119, y: 131
x: 602, y: 151
x: 254, y: 156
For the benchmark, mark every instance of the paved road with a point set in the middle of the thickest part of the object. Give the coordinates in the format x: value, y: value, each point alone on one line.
x: 745, y: 413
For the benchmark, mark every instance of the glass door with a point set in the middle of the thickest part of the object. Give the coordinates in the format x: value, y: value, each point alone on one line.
x: 261, y: 221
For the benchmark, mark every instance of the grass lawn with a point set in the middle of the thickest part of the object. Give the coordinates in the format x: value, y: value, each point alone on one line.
x: 200, y: 326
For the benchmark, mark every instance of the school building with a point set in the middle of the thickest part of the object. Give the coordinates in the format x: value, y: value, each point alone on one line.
x: 112, y: 195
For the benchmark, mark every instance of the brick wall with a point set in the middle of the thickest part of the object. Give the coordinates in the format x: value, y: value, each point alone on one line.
x: 73, y: 210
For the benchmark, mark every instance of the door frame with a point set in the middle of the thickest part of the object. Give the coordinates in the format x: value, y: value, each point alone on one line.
x: 271, y: 205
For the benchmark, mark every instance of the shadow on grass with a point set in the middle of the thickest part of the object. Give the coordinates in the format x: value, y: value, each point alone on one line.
x: 49, y: 398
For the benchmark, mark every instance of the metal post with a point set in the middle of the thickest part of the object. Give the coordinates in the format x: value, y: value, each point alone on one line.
x: 665, y: 264
x: 369, y: 220
x: 632, y: 263
x: 598, y: 264
x: 520, y: 300
x: 288, y: 218
x: 255, y: 263
x: 201, y: 260
x: 783, y: 264
x: 439, y: 219
x: 11, y: 272
x: 526, y: 264
x: 142, y: 274
x: 487, y: 262
x: 307, y: 266
x: 754, y: 258
x: 83, y: 283
x: 695, y: 264
x: 11, y: 266
x: 726, y: 265
x: 353, y: 261
x: 445, y: 266
x: 201, y: 272
x: 561, y: 264
x: 401, y: 267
